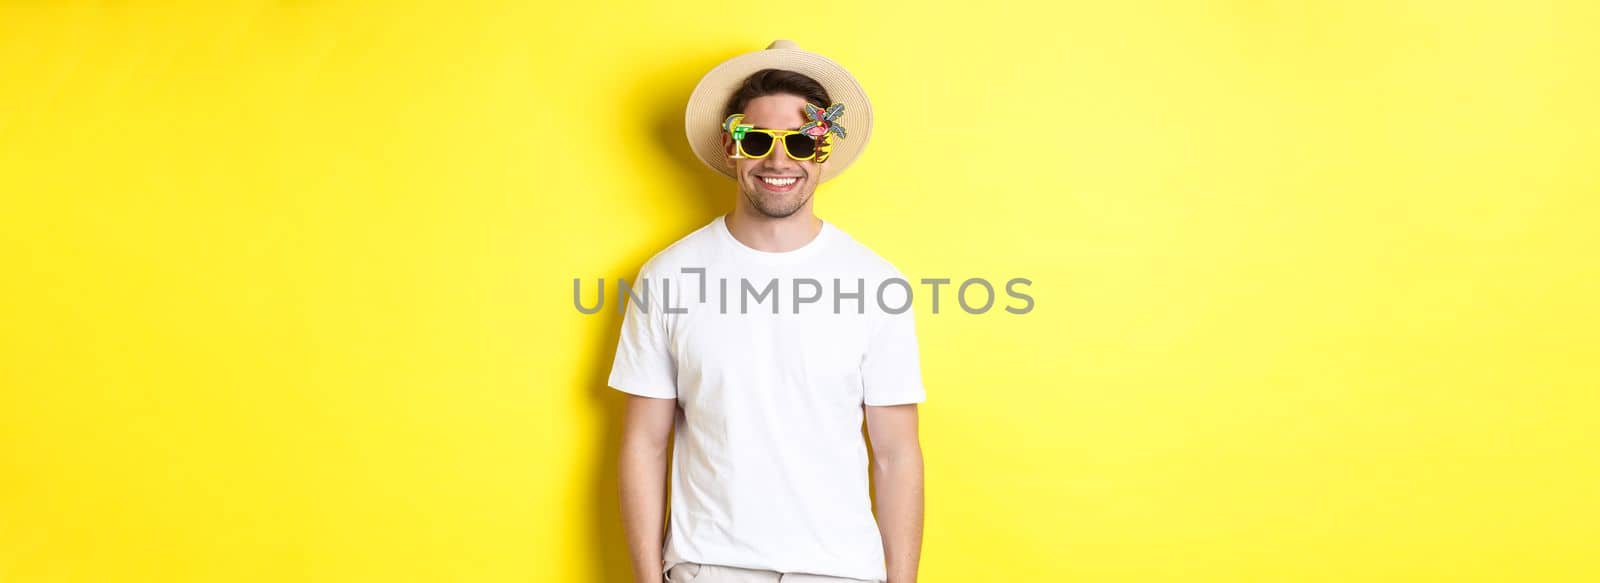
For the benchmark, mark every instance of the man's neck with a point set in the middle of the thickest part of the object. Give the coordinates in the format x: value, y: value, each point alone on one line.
x: 775, y: 235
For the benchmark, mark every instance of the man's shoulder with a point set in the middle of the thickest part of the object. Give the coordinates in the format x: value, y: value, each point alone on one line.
x: 863, y: 258
x: 690, y: 250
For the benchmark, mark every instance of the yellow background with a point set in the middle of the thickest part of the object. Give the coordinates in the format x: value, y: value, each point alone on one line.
x: 287, y: 285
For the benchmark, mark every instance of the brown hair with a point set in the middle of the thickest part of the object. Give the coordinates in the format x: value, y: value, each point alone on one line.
x: 773, y: 82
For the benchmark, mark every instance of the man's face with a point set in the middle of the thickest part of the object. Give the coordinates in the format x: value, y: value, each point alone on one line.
x: 776, y: 186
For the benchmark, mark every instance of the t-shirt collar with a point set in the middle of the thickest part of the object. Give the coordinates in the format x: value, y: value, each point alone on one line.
x: 811, y: 247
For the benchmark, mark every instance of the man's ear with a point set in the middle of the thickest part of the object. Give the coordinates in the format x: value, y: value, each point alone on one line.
x: 727, y: 145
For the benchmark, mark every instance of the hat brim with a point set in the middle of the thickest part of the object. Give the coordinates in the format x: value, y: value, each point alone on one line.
x: 703, y: 117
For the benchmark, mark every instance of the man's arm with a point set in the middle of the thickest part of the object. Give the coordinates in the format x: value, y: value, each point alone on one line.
x: 897, y: 480
x: 641, y: 475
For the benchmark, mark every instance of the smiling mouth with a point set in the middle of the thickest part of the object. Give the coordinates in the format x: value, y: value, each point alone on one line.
x: 779, y: 182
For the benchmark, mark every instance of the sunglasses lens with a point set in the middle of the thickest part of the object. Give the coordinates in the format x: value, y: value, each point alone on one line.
x: 756, y: 144
x: 800, y: 145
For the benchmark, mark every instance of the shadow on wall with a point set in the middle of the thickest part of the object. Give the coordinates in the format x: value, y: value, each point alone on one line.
x: 661, y: 93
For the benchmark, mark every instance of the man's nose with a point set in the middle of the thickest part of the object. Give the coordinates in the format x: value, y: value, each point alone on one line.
x: 781, y: 162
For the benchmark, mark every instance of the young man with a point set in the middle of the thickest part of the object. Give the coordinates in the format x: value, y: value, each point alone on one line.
x: 734, y: 346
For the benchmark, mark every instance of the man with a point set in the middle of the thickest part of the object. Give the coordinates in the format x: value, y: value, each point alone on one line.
x: 732, y: 346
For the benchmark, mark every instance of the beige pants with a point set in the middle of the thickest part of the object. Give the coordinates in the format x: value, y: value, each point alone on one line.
x: 697, y: 573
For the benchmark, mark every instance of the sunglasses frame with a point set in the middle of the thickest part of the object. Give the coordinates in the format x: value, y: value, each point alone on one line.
x: 777, y: 136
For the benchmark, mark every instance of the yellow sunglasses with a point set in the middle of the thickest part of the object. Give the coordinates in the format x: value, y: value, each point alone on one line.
x: 756, y: 143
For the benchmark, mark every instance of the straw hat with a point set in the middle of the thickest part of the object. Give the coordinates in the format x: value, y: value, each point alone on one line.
x: 703, y: 118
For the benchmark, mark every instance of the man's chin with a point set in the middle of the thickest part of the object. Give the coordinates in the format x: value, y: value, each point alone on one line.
x: 778, y: 214
x: 777, y: 206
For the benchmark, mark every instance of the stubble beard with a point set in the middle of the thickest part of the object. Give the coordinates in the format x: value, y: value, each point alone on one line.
x: 766, y: 206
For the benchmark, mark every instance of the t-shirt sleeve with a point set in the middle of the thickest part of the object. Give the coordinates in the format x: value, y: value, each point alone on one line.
x: 644, y: 364
x: 891, y: 371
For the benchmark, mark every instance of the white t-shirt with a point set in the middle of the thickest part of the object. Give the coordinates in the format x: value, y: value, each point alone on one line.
x: 769, y: 466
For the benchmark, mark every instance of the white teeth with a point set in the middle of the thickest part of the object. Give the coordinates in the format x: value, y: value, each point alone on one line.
x: 779, y: 181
